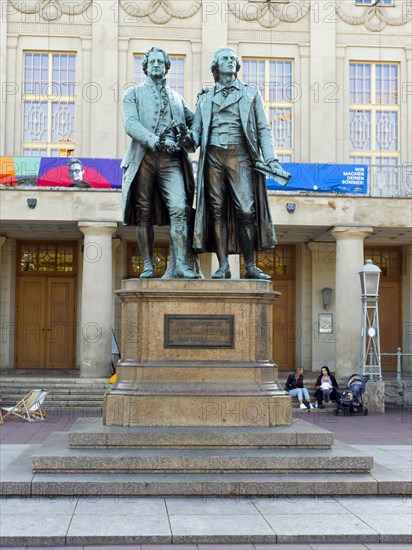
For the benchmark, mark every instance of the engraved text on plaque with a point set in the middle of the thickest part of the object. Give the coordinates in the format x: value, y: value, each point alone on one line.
x: 199, y: 331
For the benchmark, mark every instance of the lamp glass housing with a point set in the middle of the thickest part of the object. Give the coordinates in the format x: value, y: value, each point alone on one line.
x: 326, y: 297
x: 369, y: 279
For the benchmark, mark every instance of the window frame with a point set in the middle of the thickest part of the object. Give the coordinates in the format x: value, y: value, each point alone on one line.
x: 373, y: 252
x: 38, y: 244
x: 284, y: 154
x: 278, y: 268
x: 132, y: 246
x: 48, y: 147
x: 371, y: 107
x: 368, y: 3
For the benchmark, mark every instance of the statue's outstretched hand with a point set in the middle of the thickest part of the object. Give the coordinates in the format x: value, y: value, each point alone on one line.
x: 166, y: 144
x: 189, y: 142
x: 170, y: 146
x: 156, y: 145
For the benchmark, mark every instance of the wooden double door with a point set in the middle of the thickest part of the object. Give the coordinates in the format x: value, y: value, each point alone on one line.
x: 45, y: 336
x: 389, y: 260
x: 285, y: 330
x: 280, y: 263
x: 390, y: 322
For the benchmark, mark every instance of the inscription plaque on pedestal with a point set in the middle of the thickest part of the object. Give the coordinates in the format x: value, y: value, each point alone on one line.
x: 199, y: 331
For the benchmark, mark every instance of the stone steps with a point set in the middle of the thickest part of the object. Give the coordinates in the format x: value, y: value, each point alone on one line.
x: 55, y: 457
x: 98, y: 461
x: 91, y: 433
x: 18, y: 479
x: 64, y: 393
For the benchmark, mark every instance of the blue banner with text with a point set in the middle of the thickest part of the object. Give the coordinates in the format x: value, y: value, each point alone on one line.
x: 324, y: 178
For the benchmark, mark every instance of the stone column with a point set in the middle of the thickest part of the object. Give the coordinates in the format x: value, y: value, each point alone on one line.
x: 302, y: 133
x: 349, y: 260
x: 103, y: 79
x: 324, y: 90
x: 97, y: 299
x: 6, y: 86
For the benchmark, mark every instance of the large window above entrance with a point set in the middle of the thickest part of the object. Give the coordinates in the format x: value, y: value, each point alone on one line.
x: 44, y: 257
x: 278, y: 263
x: 135, y: 262
x: 389, y: 259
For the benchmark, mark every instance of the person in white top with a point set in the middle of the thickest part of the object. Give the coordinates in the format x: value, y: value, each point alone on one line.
x: 326, y: 387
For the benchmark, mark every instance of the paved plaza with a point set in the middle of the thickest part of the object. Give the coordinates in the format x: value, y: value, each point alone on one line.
x: 140, y: 523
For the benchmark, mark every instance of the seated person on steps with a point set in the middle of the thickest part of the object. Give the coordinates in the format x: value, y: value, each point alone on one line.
x: 294, y: 385
x: 326, y: 387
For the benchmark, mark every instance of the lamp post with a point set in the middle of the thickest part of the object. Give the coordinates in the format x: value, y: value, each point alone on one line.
x: 370, y: 360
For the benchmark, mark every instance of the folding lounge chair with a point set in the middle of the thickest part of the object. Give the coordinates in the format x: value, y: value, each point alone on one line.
x: 30, y: 407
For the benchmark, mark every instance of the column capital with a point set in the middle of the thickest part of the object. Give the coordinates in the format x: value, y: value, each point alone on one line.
x: 116, y: 243
x: 97, y: 228
x: 3, y: 239
x: 349, y: 232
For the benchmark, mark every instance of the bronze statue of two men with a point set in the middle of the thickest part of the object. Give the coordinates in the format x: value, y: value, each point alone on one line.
x: 230, y: 126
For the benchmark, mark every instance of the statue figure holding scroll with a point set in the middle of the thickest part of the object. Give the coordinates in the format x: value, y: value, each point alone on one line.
x: 237, y: 151
x: 158, y: 183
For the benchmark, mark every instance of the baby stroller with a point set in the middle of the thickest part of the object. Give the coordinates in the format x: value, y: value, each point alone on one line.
x: 351, y: 399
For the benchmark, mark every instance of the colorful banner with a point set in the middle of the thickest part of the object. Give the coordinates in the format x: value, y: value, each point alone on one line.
x: 81, y: 173
x: 324, y: 178
x: 88, y: 173
x: 16, y: 171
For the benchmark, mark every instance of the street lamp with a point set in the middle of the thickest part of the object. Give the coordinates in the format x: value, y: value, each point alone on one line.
x: 370, y: 360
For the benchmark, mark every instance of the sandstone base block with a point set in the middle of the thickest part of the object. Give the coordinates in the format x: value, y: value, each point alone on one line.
x: 197, y: 353
x: 197, y: 410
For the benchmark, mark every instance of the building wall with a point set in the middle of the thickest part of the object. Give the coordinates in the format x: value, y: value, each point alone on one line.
x: 320, y: 37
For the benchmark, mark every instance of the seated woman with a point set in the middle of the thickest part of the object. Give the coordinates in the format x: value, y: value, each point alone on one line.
x: 294, y: 385
x: 326, y: 387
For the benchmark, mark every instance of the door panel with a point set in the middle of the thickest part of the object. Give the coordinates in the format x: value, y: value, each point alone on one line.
x: 389, y: 321
x: 59, y: 330
x: 31, y: 316
x: 284, y: 337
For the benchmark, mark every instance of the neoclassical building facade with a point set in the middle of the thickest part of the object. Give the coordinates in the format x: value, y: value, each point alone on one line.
x: 336, y: 80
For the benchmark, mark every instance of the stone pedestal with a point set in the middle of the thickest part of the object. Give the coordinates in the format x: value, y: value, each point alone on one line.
x: 374, y: 397
x: 197, y: 353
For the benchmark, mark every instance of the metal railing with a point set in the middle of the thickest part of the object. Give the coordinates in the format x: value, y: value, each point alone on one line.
x: 383, y: 181
x: 398, y: 354
x: 390, y: 181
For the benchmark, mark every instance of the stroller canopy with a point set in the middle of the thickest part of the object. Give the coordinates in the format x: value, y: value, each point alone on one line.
x: 356, y: 384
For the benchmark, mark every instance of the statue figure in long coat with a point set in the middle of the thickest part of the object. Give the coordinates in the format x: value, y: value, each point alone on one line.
x: 232, y: 211
x: 158, y: 183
